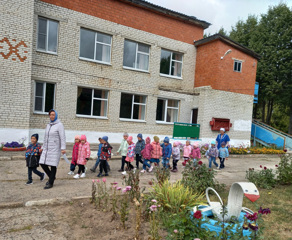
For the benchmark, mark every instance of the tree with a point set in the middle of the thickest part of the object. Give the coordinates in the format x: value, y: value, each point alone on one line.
x: 270, y: 36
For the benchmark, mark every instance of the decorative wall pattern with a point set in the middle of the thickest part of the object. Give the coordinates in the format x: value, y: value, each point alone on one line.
x: 12, y: 49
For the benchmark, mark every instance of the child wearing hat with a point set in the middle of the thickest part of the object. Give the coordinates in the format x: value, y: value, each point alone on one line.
x: 212, y: 154
x: 196, y: 153
x: 105, y: 155
x: 187, y: 152
x: 175, y: 155
x: 130, y: 154
x: 146, y: 153
x: 166, y: 152
x: 94, y: 167
x: 156, y: 152
x: 140, y: 145
x: 123, y: 149
x: 74, y: 155
x: 223, y: 154
x: 83, y: 156
x: 32, y: 156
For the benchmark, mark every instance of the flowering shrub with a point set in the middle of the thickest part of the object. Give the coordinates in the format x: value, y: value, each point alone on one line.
x: 264, y: 178
x: 13, y: 145
x: 254, y: 150
x: 199, y: 178
x: 284, y: 170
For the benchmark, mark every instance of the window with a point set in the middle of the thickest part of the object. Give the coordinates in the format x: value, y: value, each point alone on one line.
x: 92, y: 102
x: 237, y: 66
x: 136, y: 55
x: 167, y: 110
x: 47, y: 35
x: 44, y: 97
x: 171, y: 63
x: 95, y: 46
x: 133, y: 106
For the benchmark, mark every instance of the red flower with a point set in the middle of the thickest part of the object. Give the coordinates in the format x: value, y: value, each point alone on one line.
x: 197, y: 214
x: 264, y: 211
x: 265, y: 168
x: 276, y: 165
x: 252, y: 217
x: 261, y: 166
x: 200, y: 162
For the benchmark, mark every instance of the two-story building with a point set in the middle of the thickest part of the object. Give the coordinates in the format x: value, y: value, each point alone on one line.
x: 114, y: 66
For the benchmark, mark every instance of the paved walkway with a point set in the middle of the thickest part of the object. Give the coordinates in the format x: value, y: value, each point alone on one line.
x: 14, y: 176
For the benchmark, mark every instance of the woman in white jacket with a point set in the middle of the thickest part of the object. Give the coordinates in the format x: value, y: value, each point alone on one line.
x: 54, y: 144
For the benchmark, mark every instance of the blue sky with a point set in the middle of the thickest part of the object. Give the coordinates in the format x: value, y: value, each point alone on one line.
x: 220, y: 12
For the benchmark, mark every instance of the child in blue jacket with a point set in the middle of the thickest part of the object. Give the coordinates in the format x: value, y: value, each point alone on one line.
x: 223, y: 154
x: 166, y: 152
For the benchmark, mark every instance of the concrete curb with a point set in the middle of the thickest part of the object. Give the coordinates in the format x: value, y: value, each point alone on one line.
x: 11, y: 205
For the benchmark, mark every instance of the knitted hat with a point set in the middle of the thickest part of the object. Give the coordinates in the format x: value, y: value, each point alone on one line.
x: 177, y: 143
x: 36, y: 136
x: 130, y: 139
x: 126, y: 134
x: 105, y: 138
x: 223, y: 143
x: 156, y: 139
x: 196, y: 144
x: 140, y: 135
x: 148, y: 140
x: 222, y: 129
x: 166, y: 140
x: 83, y: 138
x: 213, y: 142
x: 77, y: 137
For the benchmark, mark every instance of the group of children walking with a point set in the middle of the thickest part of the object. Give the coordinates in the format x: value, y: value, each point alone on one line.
x: 144, y: 151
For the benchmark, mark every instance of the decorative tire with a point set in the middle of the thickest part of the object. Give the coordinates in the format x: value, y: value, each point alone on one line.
x: 7, y: 149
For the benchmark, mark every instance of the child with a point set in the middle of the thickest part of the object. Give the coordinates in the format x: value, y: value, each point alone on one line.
x: 156, y: 152
x: 146, y: 153
x: 196, y: 153
x: 130, y: 154
x: 74, y: 155
x: 32, y: 157
x: 212, y: 154
x: 175, y: 156
x: 105, y: 155
x: 187, y: 153
x: 123, y: 149
x: 223, y: 153
x: 138, y: 148
x: 166, y: 152
x: 83, y: 156
x: 93, y: 169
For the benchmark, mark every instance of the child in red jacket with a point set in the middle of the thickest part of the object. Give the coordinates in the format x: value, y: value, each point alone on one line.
x: 196, y: 153
x: 146, y: 154
x: 74, y: 155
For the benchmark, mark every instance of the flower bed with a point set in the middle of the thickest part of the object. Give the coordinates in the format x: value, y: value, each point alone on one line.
x: 7, y: 149
x: 13, y: 146
x: 254, y: 150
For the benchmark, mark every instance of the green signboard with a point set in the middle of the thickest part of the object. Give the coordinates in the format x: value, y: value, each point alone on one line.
x: 186, y: 130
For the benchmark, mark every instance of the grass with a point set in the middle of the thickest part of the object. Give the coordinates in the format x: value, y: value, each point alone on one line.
x: 277, y: 225
x: 29, y: 227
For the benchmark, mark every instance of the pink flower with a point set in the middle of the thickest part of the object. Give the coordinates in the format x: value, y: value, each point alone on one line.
x: 93, y: 180
x: 119, y: 188
x: 159, y: 205
x: 153, y: 200
x: 97, y: 180
x: 124, y: 190
x: 104, y: 180
x: 197, y: 214
x: 197, y: 239
x: 175, y: 231
x: 128, y: 188
x: 114, y: 183
x: 153, y: 208
x: 252, y: 217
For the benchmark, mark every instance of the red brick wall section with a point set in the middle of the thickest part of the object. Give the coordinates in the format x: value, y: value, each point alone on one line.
x: 219, y: 74
x: 135, y: 17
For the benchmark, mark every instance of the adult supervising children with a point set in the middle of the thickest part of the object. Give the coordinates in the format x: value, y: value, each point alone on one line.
x: 222, y: 137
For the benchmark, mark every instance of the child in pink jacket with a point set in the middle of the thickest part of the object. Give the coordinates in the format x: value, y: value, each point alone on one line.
x: 156, y: 152
x: 83, y: 156
x: 196, y: 153
x: 187, y: 152
x: 146, y: 154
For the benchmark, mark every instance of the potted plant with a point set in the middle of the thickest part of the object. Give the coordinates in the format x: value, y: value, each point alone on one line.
x: 14, y: 146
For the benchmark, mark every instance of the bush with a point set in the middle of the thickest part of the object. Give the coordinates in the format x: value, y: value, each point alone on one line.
x: 199, y: 178
x: 284, y: 170
x: 264, y: 178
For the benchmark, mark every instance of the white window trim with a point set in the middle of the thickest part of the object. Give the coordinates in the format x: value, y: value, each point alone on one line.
x: 47, y: 35
x: 136, y: 69
x: 170, y: 76
x: 238, y: 61
x: 132, y: 108
x: 91, y: 110
x: 95, y: 41
x: 44, y: 91
x: 170, y: 64
x: 136, y: 57
x: 165, y: 113
x: 132, y: 120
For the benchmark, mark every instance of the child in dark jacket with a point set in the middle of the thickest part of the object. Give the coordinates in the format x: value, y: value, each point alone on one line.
x: 74, y: 155
x: 105, y: 155
x: 138, y: 148
x: 146, y: 153
x: 166, y: 152
x: 175, y: 156
x: 32, y: 157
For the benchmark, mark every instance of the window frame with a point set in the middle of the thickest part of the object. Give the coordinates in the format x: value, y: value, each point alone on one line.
x: 92, y: 101
x: 165, y: 113
x: 170, y: 64
x: 136, y: 56
x: 95, y: 42
x: 47, y: 36
x: 132, y: 108
x: 44, y: 96
x: 237, y: 61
